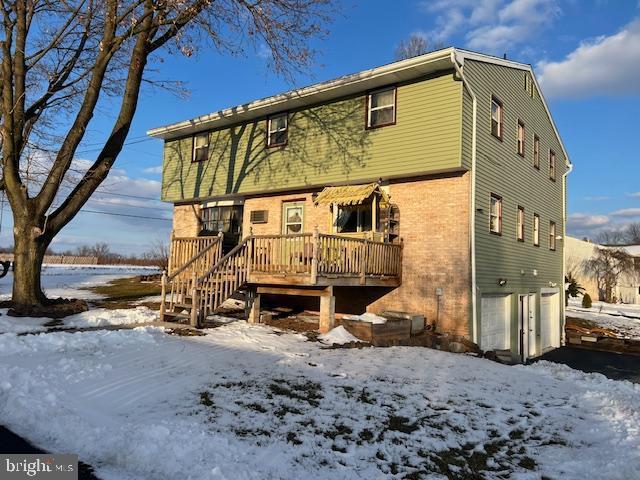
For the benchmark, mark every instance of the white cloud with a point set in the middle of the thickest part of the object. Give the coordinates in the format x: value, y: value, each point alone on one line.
x: 157, y: 169
x: 627, y: 212
x: 597, y: 198
x: 635, y: 194
x: 492, y: 26
x: 580, y: 221
x: 607, y: 65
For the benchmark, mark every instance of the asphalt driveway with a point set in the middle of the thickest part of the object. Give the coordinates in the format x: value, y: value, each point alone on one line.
x: 612, y: 365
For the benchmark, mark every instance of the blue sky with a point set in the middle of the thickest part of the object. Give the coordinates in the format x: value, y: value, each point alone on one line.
x: 586, y: 55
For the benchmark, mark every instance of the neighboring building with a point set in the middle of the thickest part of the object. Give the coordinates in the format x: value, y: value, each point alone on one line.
x: 454, y: 153
x: 577, y: 255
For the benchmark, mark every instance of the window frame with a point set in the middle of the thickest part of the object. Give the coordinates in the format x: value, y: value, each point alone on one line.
x: 499, y: 103
x: 367, y: 109
x: 495, y: 196
x: 194, y: 147
x: 552, y: 236
x: 536, y: 151
x: 552, y: 165
x: 286, y: 129
x: 520, y: 224
x: 524, y: 137
x: 536, y: 230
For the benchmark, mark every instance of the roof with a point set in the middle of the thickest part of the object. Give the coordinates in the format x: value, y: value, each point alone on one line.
x: 349, y: 195
x: 396, y: 72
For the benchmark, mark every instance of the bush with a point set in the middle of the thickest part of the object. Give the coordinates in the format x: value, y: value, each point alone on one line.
x: 586, y: 301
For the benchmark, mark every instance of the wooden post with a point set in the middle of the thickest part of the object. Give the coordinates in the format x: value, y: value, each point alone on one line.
x: 363, y: 262
x: 195, y: 301
x: 253, y: 306
x: 163, y: 294
x: 327, y: 311
x: 315, y: 239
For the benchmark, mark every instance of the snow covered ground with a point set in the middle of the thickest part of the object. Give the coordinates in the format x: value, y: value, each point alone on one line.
x: 68, y: 280
x: 622, y: 318
x: 251, y: 402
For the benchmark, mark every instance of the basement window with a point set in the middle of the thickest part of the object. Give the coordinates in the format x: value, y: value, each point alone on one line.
x: 200, y: 148
x: 278, y: 130
x: 381, y: 108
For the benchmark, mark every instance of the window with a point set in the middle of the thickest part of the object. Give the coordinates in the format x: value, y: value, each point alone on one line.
x: 552, y: 235
x: 520, y: 138
x: 495, y: 215
x: 552, y: 165
x: 496, y: 117
x: 381, y: 108
x: 536, y: 152
x: 520, y: 224
x: 200, y: 148
x: 277, y: 130
x: 354, y: 218
x: 226, y: 219
x: 293, y: 218
x: 536, y: 230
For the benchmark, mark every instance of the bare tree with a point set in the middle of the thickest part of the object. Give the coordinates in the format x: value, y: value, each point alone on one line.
x: 607, y: 265
x: 416, y: 45
x: 58, y: 60
x: 158, y: 253
x: 632, y: 233
x: 611, y: 237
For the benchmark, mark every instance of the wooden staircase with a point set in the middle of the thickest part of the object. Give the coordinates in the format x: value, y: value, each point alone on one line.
x: 195, y: 296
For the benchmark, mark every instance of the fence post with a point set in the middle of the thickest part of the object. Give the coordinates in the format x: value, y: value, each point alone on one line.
x: 163, y: 294
x: 194, y: 301
x: 315, y: 240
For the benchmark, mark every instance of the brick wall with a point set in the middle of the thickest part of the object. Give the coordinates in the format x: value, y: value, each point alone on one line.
x: 434, y: 225
x: 185, y: 220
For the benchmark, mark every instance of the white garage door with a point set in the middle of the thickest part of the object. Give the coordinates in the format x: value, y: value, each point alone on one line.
x: 549, y: 321
x: 495, y: 327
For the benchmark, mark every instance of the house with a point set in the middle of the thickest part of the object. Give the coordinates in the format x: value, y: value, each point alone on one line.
x: 579, y: 252
x: 433, y: 185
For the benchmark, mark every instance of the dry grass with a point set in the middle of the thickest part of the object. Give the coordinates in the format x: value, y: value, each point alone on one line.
x: 125, y: 292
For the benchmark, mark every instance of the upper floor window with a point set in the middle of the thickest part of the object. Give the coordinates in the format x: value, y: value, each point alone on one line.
x: 277, y: 130
x: 496, y: 117
x: 536, y: 152
x: 552, y: 165
x: 200, y: 148
x: 552, y: 235
x: 381, y: 108
x: 536, y: 230
x: 495, y: 214
x: 520, y: 224
x: 521, y: 138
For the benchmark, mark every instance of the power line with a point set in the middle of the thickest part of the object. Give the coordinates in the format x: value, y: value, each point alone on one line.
x: 125, y: 215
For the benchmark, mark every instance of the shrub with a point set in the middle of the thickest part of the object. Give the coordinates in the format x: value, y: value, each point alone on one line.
x: 586, y: 301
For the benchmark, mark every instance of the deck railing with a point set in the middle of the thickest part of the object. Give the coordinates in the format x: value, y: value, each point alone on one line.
x: 184, y: 249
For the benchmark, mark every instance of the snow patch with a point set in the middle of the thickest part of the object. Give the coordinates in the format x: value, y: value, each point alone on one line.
x: 367, y: 317
x: 338, y: 336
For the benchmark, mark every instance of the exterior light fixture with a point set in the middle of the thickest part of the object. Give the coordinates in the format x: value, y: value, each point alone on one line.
x: 502, y: 282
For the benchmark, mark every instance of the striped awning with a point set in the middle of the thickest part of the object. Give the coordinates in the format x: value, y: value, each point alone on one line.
x: 349, y: 194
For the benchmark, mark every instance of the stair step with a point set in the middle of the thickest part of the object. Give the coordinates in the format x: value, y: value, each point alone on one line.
x: 183, y: 306
x: 175, y: 316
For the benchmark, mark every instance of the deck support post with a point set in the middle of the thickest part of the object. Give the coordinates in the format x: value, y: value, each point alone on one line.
x: 252, y: 307
x: 327, y: 311
x: 163, y: 294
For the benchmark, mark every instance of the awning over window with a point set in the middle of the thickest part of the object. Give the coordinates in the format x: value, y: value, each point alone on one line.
x: 350, y: 194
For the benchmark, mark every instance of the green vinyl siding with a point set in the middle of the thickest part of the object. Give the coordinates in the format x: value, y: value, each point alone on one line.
x: 326, y: 144
x: 502, y: 171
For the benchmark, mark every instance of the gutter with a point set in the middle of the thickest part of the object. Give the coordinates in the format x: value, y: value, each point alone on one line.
x: 564, y: 249
x: 472, y: 213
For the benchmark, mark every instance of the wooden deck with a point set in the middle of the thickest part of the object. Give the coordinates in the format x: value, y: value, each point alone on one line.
x: 200, y: 279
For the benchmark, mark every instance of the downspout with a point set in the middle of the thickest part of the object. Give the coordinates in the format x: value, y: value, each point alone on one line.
x: 564, y: 251
x: 472, y: 213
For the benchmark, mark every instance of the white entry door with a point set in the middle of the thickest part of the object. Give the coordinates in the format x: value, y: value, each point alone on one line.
x: 527, y: 322
x: 549, y: 321
x: 495, y: 318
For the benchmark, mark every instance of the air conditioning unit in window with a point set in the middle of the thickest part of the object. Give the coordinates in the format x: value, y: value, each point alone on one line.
x: 259, y: 216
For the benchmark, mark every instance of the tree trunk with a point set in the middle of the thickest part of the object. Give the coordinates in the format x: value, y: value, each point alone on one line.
x: 29, y: 250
